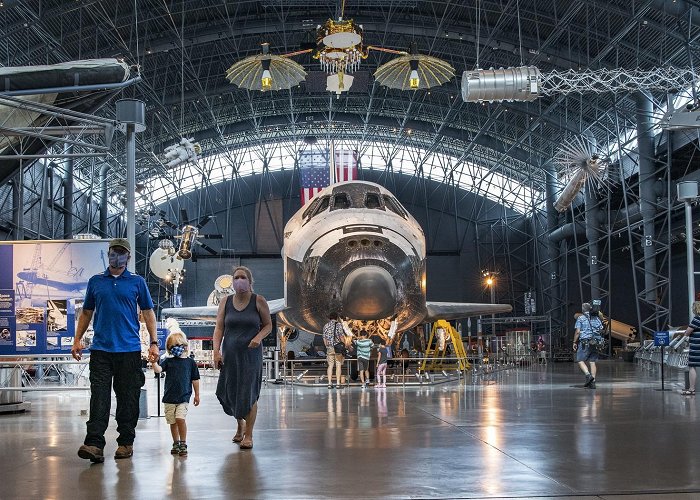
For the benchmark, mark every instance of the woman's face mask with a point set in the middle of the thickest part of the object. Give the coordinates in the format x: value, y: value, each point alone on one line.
x: 118, y: 260
x: 241, y: 285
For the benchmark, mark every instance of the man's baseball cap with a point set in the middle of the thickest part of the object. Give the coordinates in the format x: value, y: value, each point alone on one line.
x: 120, y: 242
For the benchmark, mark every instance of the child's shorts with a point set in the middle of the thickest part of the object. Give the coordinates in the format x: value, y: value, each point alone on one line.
x: 175, y: 410
x: 362, y: 364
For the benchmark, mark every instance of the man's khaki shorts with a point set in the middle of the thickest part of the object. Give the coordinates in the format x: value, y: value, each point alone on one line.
x: 332, y: 357
x: 174, y: 411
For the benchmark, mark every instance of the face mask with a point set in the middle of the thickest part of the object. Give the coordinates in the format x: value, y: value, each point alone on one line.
x: 241, y: 285
x: 177, y: 350
x: 117, y: 260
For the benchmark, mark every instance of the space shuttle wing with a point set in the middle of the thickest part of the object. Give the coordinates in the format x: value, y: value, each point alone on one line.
x: 208, y: 313
x: 458, y: 310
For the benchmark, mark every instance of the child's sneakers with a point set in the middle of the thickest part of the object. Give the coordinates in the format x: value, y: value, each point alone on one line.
x: 179, y: 448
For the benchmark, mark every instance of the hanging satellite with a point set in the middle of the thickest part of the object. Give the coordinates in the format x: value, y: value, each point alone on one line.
x: 224, y: 284
x: 223, y: 287
x: 581, y: 165
x: 187, y: 238
x: 167, y: 245
x: 164, y: 264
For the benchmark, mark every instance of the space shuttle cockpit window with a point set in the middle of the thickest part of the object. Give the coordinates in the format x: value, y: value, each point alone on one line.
x: 322, y: 206
x: 317, y: 206
x: 340, y: 201
x: 394, y: 206
x: 372, y: 200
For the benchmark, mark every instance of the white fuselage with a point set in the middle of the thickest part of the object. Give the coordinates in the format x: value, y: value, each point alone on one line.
x: 354, y: 250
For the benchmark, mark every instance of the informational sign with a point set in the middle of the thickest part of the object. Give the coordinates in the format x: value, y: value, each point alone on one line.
x: 661, y: 339
x: 40, y: 297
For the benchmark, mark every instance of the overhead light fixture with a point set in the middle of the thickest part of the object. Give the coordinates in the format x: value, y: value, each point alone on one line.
x: 414, y: 79
x: 266, y: 78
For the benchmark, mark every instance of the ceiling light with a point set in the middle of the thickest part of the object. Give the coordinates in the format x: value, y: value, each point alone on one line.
x: 414, y: 79
x: 266, y: 78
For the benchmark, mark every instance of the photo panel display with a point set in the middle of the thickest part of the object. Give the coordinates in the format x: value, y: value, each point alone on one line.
x: 39, y: 299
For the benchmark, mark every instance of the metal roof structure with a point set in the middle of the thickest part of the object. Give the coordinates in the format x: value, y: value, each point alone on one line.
x: 182, y: 50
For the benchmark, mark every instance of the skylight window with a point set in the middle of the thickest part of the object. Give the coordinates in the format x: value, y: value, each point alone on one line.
x: 409, y: 161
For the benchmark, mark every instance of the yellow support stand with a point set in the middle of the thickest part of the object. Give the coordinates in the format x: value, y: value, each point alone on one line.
x: 434, y: 350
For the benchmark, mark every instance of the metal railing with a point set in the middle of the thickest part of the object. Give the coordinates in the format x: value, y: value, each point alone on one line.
x: 43, y: 373
x: 675, y: 355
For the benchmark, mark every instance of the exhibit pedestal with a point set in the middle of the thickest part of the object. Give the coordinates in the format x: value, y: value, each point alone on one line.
x: 10, y: 377
x: 15, y: 407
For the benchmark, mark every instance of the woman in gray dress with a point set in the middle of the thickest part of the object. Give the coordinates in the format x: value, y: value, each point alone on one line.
x: 242, y: 321
x: 693, y: 332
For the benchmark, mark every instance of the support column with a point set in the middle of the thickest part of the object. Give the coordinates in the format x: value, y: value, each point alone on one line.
x: 68, y: 197
x: 592, y: 228
x: 688, y: 192
x: 552, y: 246
x: 131, y: 117
x: 103, y: 199
x: 18, y: 202
x: 647, y: 191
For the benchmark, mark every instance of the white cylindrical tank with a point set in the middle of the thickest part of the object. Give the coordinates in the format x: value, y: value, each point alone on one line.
x: 503, y: 84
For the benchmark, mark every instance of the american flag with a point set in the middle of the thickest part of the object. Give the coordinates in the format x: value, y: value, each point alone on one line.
x: 345, y: 165
x: 315, y: 173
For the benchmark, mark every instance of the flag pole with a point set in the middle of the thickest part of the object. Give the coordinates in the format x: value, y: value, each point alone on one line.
x: 332, y: 163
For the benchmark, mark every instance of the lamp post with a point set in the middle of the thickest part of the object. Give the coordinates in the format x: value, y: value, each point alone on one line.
x: 491, y: 283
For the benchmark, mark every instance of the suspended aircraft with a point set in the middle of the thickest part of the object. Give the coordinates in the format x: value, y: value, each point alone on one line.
x: 354, y: 249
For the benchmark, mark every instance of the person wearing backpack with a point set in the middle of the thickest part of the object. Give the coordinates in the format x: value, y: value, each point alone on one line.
x: 587, y: 330
x: 334, y: 340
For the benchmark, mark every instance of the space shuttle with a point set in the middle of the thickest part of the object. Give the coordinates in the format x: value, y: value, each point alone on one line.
x: 54, y: 279
x: 356, y: 250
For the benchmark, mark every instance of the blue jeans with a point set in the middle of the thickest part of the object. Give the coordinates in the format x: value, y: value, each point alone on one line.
x: 123, y: 371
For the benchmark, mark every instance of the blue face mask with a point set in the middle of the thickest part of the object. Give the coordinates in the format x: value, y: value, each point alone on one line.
x: 117, y: 260
x: 177, y: 350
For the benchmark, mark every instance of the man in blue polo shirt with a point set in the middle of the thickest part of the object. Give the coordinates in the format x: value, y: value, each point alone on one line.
x: 113, y: 299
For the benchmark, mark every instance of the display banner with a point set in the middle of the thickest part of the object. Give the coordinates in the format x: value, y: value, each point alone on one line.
x: 40, y: 298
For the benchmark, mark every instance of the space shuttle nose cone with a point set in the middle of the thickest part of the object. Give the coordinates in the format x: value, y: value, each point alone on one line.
x: 369, y: 293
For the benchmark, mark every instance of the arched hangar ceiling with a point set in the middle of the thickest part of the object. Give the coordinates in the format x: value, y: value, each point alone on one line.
x: 183, y: 49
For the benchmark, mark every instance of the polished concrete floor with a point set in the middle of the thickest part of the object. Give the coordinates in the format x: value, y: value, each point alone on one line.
x: 521, y: 433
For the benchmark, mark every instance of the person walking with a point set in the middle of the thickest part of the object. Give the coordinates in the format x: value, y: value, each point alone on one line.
x: 382, y: 358
x: 364, y: 348
x: 182, y: 377
x: 112, y: 301
x: 693, y: 333
x: 333, y: 337
x: 587, y: 330
x: 242, y: 322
